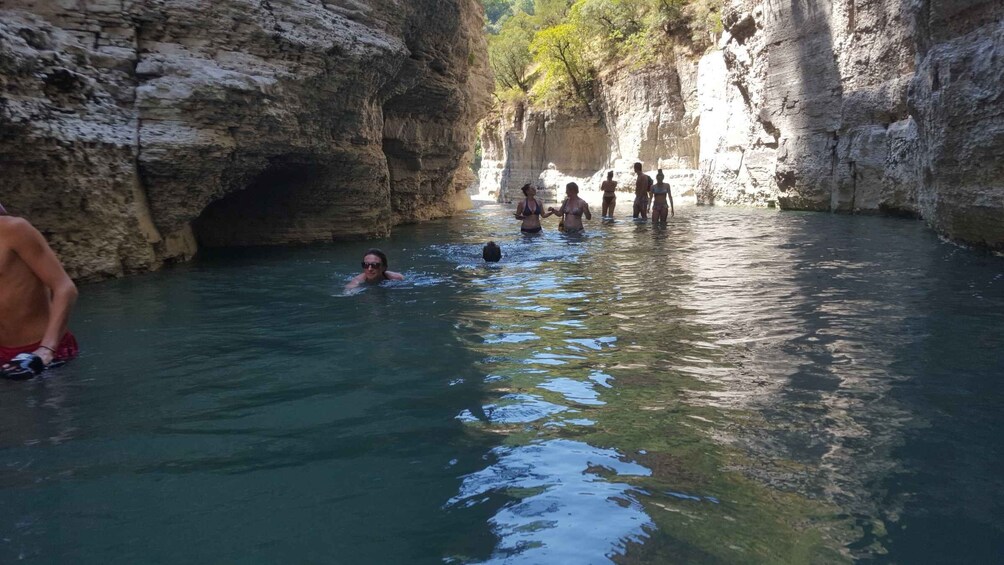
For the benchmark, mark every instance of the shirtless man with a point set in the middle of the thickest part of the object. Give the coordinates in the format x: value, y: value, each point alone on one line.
x: 36, y: 297
x: 641, y: 188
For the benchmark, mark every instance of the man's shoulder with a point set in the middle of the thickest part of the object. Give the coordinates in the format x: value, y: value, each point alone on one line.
x: 13, y: 225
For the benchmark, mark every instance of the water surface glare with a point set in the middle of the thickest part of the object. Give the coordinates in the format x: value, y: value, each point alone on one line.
x: 742, y: 386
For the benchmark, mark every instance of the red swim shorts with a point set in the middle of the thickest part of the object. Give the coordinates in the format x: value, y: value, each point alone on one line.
x: 67, y: 349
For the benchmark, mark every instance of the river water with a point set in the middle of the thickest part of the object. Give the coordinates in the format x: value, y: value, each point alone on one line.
x: 743, y: 386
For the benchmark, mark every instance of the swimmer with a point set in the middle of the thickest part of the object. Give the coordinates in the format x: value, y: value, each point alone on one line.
x: 660, y: 192
x: 572, y: 210
x: 642, y: 186
x: 374, y: 270
x: 609, y: 188
x: 36, y: 297
x: 530, y: 210
x: 491, y: 252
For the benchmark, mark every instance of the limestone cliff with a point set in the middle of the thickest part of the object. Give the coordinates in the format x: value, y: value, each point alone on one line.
x: 132, y: 132
x: 856, y: 106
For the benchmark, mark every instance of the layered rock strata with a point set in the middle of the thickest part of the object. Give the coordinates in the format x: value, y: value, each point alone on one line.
x: 647, y: 115
x: 133, y: 132
x: 854, y: 106
x: 882, y: 106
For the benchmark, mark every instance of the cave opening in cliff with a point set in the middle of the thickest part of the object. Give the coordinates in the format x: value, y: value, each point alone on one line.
x: 289, y: 202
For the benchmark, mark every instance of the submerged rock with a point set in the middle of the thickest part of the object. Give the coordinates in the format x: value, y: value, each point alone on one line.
x: 133, y: 132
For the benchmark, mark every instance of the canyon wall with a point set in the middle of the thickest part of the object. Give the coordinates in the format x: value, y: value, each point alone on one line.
x: 131, y: 132
x: 851, y: 106
x: 641, y: 114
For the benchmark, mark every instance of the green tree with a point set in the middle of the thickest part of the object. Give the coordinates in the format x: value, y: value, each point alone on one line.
x: 558, y: 50
x: 549, y: 13
x: 509, y: 54
x: 496, y: 9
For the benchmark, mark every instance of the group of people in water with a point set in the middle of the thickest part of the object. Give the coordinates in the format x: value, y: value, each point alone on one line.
x: 654, y: 196
x: 36, y: 294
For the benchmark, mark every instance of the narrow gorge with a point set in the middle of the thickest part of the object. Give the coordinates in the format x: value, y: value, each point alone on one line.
x: 874, y: 107
x: 132, y: 133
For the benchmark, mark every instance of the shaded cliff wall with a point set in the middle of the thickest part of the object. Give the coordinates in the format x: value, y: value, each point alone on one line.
x: 132, y: 132
x: 957, y: 98
x: 878, y: 106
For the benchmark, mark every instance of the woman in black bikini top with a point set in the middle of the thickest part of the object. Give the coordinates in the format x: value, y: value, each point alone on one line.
x: 529, y: 210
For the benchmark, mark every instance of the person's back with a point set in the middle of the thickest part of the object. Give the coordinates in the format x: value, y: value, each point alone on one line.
x: 641, y: 189
x: 24, y: 299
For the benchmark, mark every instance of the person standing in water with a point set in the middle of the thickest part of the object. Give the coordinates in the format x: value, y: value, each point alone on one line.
x: 641, y: 189
x: 609, y: 188
x: 374, y: 270
x: 36, y: 297
x: 660, y: 194
x: 572, y: 210
x: 530, y: 210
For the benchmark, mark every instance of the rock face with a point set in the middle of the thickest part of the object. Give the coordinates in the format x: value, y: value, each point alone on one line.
x: 648, y: 115
x: 878, y: 106
x: 133, y: 132
x: 853, y: 106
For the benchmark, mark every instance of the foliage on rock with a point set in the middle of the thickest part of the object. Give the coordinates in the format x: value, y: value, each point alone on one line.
x: 550, y: 50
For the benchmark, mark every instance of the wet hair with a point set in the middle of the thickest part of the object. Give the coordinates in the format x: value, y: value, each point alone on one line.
x: 526, y: 187
x: 610, y: 175
x: 572, y: 186
x: 637, y: 166
x: 378, y: 253
x: 659, y: 175
x: 492, y: 252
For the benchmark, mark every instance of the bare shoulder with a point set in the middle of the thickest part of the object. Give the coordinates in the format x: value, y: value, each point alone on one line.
x: 394, y: 276
x: 12, y: 225
x: 15, y: 232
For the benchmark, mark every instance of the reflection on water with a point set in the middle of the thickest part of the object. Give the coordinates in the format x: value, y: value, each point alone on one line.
x: 740, y: 386
x: 554, y: 486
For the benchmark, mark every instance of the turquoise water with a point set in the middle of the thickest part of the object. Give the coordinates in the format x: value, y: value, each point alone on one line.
x: 740, y: 387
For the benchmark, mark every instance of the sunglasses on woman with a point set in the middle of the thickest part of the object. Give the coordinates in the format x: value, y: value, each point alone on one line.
x: 371, y: 265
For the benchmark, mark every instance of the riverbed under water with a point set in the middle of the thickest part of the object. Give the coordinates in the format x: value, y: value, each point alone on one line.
x: 742, y: 386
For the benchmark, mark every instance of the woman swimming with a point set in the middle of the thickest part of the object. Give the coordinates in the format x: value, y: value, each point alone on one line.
x: 530, y: 210
x: 572, y: 210
x: 609, y: 188
x: 660, y: 193
x: 374, y: 270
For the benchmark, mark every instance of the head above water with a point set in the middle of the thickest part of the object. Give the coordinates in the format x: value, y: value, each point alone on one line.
x: 659, y: 176
x: 637, y: 167
x: 527, y: 188
x: 379, y: 255
x: 571, y: 188
x: 610, y: 175
x: 492, y: 252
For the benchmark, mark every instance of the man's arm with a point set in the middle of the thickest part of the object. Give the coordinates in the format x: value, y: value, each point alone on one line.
x: 32, y: 248
x: 393, y: 276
